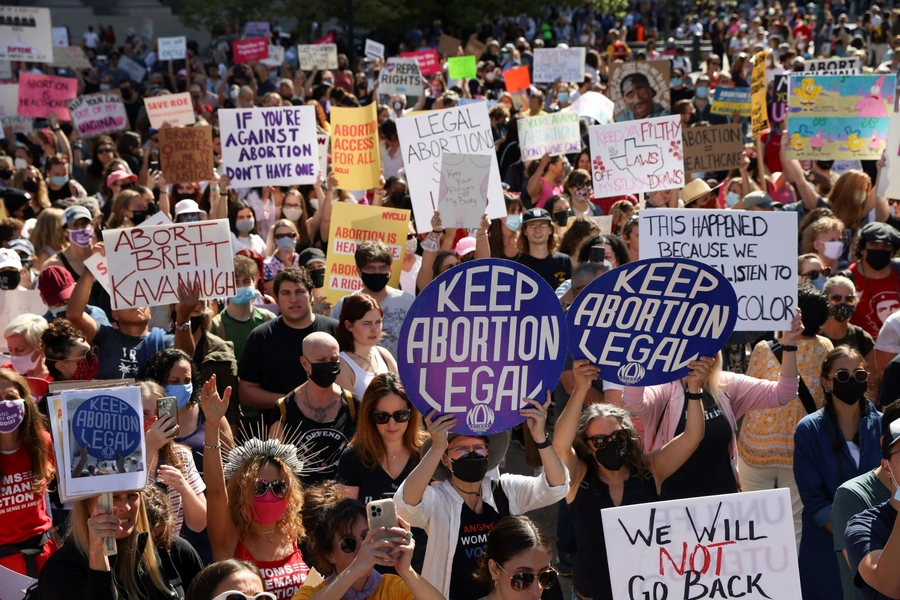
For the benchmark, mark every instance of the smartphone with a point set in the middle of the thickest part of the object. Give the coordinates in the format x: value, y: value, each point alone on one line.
x: 382, y: 513
x: 598, y: 254
x: 167, y: 406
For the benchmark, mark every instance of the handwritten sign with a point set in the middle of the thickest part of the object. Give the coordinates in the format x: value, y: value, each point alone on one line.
x: 553, y: 134
x: 26, y: 34
x: 9, y: 108
x: 60, y: 36
x: 832, y: 66
x: 474, y: 46
x: 759, y: 114
x: 517, y: 80
x: 448, y: 45
x: 750, y: 249
x: 778, y: 103
x: 374, y: 49
x: 147, y: 264
x: 269, y: 146
x: 700, y: 547
x: 98, y: 114
x: 643, y: 156
x: 425, y: 137
x: 352, y: 224
x: 713, y: 148
x: 250, y: 50
x: 172, y: 48
x: 257, y: 29
x: 70, y: 57
x: 400, y: 76
x: 645, y: 322
x: 727, y: 101
x: 355, y: 157
x: 186, y: 153
x: 594, y: 105
x: 461, y: 67
x: 275, y: 58
x: 135, y: 71
x: 640, y: 89
x: 839, y: 117
x: 449, y: 358
x: 428, y: 60
x: 174, y: 109
x: 565, y: 64
x: 323, y: 141
x: 43, y: 95
x: 317, y: 56
x: 462, y: 198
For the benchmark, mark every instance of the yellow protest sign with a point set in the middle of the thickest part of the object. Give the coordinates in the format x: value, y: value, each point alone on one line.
x: 352, y: 224
x: 355, y: 158
x: 759, y: 112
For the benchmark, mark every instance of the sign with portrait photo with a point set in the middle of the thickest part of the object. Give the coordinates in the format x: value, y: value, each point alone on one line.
x: 640, y: 89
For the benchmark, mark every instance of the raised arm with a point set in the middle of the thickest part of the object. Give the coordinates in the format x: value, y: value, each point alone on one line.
x: 536, y: 415
x: 482, y: 241
x: 415, y: 485
x: 223, y: 533
x: 75, y: 309
x: 795, y: 175
x: 567, y: 424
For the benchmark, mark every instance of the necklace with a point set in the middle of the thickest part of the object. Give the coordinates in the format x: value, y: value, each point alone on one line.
x: 265, y: 535
x: 320, y: 414
x: 368, y: 362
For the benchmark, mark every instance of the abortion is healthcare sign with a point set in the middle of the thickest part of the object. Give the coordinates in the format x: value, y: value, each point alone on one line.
x: 728, y: 546
x: 644, y: 322
x: 479, y: 339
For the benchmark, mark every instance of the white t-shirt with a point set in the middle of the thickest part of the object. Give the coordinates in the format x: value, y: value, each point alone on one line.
x: 408, y: 278
x: 91, y: 39
x: 889, y: 337
x: 395, y: 306
x: 253, y: 242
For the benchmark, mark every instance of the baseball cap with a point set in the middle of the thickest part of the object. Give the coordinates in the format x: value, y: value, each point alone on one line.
x: 73, y: 213
x: 879, y: 232
x: 759, y: 199
x: 187, y: 206
x: 22, y: 246
x: 310, y: 255
x: 120, y: 176
x: 535, y: 214
x: 56, y: 285
x: 465, y: 246
x: 10, y: 258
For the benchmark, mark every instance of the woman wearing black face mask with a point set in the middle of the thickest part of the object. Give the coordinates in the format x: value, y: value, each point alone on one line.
x: 832, y: 445
x: 843, y: 300
x: 32, y: 181
x: 469, y: 500
x: 608, y: 466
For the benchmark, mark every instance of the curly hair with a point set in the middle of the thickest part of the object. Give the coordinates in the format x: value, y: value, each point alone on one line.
x: 325, y: 512
x: 579, y: 229
x: 58, y: 339
x: 822, y: 225
x: 241, y: 487
x: 634, y: 455
x: 157, y: 367
x: 34, y: 434
x: 156, y: 501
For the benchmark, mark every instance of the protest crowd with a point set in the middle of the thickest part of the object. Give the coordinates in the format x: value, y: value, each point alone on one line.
x: 275, y: 311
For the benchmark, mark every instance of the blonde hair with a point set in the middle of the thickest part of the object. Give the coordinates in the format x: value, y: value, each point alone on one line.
x: 816, y: 228
x: 242, y: 485
x: 120, y: 203
x: 48, y: 231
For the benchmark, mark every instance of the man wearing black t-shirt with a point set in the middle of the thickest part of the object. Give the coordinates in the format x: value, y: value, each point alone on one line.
x: 537, y: 247
x: 270, y: 364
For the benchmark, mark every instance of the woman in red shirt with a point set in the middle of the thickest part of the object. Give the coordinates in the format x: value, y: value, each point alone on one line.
x: 26, y: 466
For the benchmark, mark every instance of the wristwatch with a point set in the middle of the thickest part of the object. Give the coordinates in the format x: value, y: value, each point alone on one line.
x: 545, y: 444
x: 184, y: 326
x: 695, y: 396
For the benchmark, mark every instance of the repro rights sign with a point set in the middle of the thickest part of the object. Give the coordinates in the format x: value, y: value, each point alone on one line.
x: 644, y: 322
x: 108, y: 426
x: 479, y: 339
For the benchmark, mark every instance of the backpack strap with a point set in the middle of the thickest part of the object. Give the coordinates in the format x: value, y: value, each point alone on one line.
x: 500, y: 498
x: 282, y: 408
x: 805, y: 396
x: 351, y: 405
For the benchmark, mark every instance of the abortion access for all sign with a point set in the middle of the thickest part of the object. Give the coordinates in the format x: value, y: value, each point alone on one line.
x: 645, y: 322
x: 269, y: 146
x: 637, y: 156
x: 728, y: 546
x: 479, y: 339
x: 147, y: 264
x: 751, y: 249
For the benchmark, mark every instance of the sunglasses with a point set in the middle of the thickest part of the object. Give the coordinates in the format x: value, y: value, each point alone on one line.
x: 243, y: 596
x: 840, y: 298
x: 816, y: 273
x: 278, y: 487
x: 843, y: 376
x: 382, y: 418
x: 602, y: 441
x: 522, y: 581
x: 279, y: 236
x: 349, y: 544
x: 104, y: 150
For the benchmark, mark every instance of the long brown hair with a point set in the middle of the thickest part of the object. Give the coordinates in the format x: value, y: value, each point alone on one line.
x: 848, y: 196
x: 242, y: 485
x: 367, y: 443
x: 634, y: 454
x: 354, y: 308
x: 33, y: 430
x: 325, y: 512
x: 120, y: 203
x: 302, y: 230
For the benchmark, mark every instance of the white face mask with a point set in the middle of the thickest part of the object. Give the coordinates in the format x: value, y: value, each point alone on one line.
x: 20, y: 163
x: 411, y: 246
x: 314, y: 202
x: 292, y: 213
x: 24, y: 363
x: 833, y: 250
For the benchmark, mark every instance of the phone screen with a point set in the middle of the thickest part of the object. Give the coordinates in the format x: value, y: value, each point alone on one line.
x: 598, y: 254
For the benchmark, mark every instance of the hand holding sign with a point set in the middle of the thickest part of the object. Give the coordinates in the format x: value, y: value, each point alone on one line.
x: 585, y: 373
x: 102, y: 525
x: 699, y: 373
x: 536, y: 417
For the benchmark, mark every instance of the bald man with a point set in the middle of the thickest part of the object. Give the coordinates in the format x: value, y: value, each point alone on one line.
x: 319, y: 417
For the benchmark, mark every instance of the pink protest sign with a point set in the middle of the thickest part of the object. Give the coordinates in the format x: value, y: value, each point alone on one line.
x: 42, y: 95
x: 428, y: 60
x: 250, y: 50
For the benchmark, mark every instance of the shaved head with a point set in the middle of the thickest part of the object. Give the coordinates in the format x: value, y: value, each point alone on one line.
x: 320, y: 344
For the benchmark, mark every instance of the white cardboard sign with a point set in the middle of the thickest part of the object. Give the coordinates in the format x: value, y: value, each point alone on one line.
x: 317, y: 56
x: 462, y: 198
x: 400, y: 76
x: 172, y: 48
x: 26, y: 34
x: 174, y: 109
x: 374, y: 49
x: 554, y: 134
x: 565, y: 64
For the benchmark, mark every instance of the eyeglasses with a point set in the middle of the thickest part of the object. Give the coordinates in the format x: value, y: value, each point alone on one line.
x: 279, y: 236
x: 382, y: 418
x: 243, y: 596
x: 602, y: 441
x: 840, y: 298
x: 523, y: 581
x: 349, y: 544
x: 104, y: 150
x: 538, y: 226
x: 843, y: 376
x: 278, y: 487
x: 88, y: 355
x: 816, y: 273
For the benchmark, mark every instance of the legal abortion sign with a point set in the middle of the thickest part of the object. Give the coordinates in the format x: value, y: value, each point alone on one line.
x: 479, y: 339
x: 107, y: 426
x: 644, y: 322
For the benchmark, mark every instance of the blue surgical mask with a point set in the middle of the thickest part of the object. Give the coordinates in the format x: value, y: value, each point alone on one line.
x: 181, y: 393
x: 563, y: 97
x: 702, y: 92
x: 819, y: 283
x: 285, y: 243
x: 513, y: 222
x: 731, y: 198
x: 244, y: 296
x: 676, y: 82
x: 104, y: 87
x: 245, y: 226
x: 59, y: 310
x: 59, y: 180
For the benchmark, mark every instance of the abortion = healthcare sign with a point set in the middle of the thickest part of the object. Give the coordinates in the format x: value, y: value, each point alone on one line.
x: 269, y: 146
x: 751, y: 249
x: 479, y: 339
x: 146, y: 264
x: 644, y: 322
x: 728, y: 546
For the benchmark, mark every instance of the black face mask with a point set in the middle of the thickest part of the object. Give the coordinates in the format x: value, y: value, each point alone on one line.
x: 397, y: 197
x: 324, y: 374
x: 139, y: 216
x: 9, y: 280
x: 841, y: 312
x: 196, y: 322
x: 318, y: 278
x: 375, y: 281
x: 849, y: 392
x: 470, y: 467
x: 612, y: 457
x: 31, y: 186
x: 878, y: 259
x: 28, y: 212
x: 825, y: 165
x: 5, y: 174
x: 126, y: 94
x: 561, y: 217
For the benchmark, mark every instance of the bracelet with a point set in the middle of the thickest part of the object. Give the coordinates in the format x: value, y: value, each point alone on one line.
x: 695, y: 396
x: 545, y: 444
x: 437, y: 231
x: 789, y: 348
x: 216, y: 447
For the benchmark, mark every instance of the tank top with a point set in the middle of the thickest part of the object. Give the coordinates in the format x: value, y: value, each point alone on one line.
x: 282, y: 577
x: 363, y: 377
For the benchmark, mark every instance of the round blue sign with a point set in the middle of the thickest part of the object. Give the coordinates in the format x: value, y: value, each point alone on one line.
x: 108, y: 426
x: 644, y: 322
x: 479, y: 339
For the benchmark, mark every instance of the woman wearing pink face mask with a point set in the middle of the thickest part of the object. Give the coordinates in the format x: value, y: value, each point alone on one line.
x: 253, y: 500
